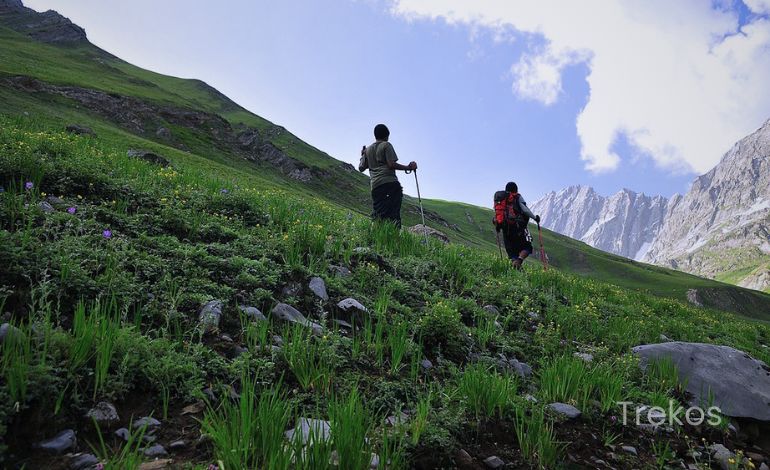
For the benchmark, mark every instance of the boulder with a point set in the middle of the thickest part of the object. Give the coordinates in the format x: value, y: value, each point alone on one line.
x: 104, y: 414
x: 320, y: 429
x: 423, y: 230
x: 738, y: 383
x: 210, y: 315
x: 494, y: 462
x: 148, y: 422
x: 722, y: 456
x: 80, y: 130
x: 521, y: 368
x: 7, y: 330
x: 287, y: 313
x: 149, y: 157
x: 564, y: 410
x: 340, y: 271
x: 46, y: 207
x: 155, y: 451
x: 252, y: 313
x: 352, y: 311
x: 59, y: 444
x: 83, y: 462
x: 318, y: 287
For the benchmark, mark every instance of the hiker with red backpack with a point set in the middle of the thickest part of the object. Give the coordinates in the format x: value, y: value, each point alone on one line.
x: 511, y: 218
x: 381, y: 161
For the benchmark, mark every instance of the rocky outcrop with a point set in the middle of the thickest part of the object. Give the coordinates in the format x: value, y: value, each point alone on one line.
x: 49, y: 26
x: 425, y: 230
x: 738, y: 384
x: 625, y: 223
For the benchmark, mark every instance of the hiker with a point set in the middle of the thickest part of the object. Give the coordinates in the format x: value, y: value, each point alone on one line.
x: 381, y: 161
x: 511, y: 218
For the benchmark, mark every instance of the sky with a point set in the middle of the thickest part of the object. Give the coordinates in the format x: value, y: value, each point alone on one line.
x: 638, y: 94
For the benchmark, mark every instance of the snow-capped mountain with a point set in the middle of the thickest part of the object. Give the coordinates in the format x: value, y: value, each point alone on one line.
x: 625, y: 223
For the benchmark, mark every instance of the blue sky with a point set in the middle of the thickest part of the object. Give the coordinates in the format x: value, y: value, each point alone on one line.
x: 469, y: 90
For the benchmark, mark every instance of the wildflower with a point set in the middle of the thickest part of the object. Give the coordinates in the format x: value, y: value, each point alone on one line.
x: 107, y: 234
x: 29, y: 185
x: 224, y: 191
x: 72, y: 209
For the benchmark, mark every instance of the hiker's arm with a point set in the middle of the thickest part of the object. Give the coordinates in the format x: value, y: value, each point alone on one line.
x: 526, y: 210
x: 363, y: 164
x: 392, y: 159
x: 398, y: 166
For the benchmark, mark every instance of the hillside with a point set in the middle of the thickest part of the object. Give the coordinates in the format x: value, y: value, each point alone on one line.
x: 186, y: 285
x: 76, y: 83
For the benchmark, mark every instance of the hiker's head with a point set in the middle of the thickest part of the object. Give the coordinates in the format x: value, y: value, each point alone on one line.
x: 381, y: 132
x: 511, y: 187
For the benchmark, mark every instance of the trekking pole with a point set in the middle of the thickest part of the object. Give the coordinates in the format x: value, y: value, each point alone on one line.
x: 419, y: 199
x: 542, y: 251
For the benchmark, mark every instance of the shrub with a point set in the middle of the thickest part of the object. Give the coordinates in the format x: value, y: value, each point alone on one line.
x: 441, y: 330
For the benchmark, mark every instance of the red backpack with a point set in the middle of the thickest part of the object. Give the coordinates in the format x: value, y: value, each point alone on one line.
x: 508, y: 211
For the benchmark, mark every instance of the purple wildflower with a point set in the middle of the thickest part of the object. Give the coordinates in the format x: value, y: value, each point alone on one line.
x: 29, y: 185
x: 107, y: 233
x: 72, y: 209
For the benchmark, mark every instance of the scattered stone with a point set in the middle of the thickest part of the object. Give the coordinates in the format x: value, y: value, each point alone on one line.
x: 397, y: 420
x: 494, y: 462
x: 491, y: 309
x: 521, y: 368
x: 163, y: 133
x: 738, y: 383
x: 426, y: 364
x: 80, y: 130
x: 61, y: 443
x: 649, y: 428
x: 176, y: 445
x: 155, y: 451
x: 149, y: 438
x: 149, y: 157
x: 8, y: 330
x: 277, y: 340
x: 226, y: 338
x: 305, y: 426
x: 530, y: 398
x: 83, y: 462
x: 104, y: 414
x: 722, y: 455
x: 534, y: 316
x: 253, y: 313
x: 340, y: 271
x: 764, y: 467
x: 287, y: 313
x: 463, y: 459
x: 210, y: 315
x: 238, y: 350
x: 351, y: 305
x: 757, y: 458
x: 664, y: 338
x: 148, y: 422
x: 46, y: 207
x: 584, y: 356
x: 424, y: 230
x: 374, y: 462
x: 343, y: 324
x: 629, y: 450
x: 55, y: 201
x: 565, y: 410
x: 194, y: 408
x: 123, y: 433
x: 209, y: 392
x: 318, y: 287
x: 292, y: 289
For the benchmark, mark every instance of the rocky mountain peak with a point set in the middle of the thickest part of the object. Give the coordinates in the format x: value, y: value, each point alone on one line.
x: 49, y: 26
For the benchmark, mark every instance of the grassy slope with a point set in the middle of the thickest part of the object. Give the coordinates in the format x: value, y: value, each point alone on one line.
x: 89, y: 67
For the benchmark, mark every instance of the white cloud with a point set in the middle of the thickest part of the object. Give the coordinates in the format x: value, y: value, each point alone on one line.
x: 679, y: 79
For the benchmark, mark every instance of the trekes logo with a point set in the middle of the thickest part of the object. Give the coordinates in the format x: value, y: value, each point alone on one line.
x: 676, y: 414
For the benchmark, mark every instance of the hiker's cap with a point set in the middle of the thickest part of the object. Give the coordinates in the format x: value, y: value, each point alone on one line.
x: 381, y: 132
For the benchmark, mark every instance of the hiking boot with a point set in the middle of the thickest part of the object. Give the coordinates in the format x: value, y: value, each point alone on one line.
x: 517, y: 264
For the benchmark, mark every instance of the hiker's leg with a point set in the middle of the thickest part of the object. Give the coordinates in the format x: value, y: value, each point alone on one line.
x: 379, y: 203
x: 510, y: 246
x: 391, y: 203
x: 398, y: 198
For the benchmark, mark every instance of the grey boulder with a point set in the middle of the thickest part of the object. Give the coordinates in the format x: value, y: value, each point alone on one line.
x: 738, y: 383
x: 319, y: 429
x: 287, y: 313
x: 104, y: 414
x: 318, y: 287
x: 210, y: 315
x: 252, y: 313
x: 565, y: 410
x: 83, y: 461
x: 61, y: 443
x: 155, y: 451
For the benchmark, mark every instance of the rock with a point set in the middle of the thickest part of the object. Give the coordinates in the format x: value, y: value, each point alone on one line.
x: 55, y: 201
x: 176, y: 445
x: 149, y: 438
x: 521, y: 368
x: 584, y: 356
x: 292, y: 289
x: 426, y: 364
x: 123, y: 433
x: 340, y: 271
x: 194, y: 408
x: 493, y: 462
x: 374, y: 461
x: 491, y: 309
x: 252, y: 313
x: 629, y: 450
x: 534, y: 316
x: 61, y: 443
x: 156, y: 464
x: 155, y: 451
x: 756, y: 458
x: 739, y: 384
x: 104, y: 414
x: 46, y: 207
x: 424, y: 230
x: 764, y: 467
x: 396, y: 420
x: 530, y: 398
x: 277, y: 340
x: 148, y: 422
x: 463, y: 459
x: 163, y: 133
x: 83, y: 462
x: 80, y: 130
x: 318, y: 287
x: 210, y: 315
x: 287, y: 313
x: 7, y: 330
x: 343, y: 324
x: 565, y: 410
x: 149, y: 157
x: 351, y: 305
x: 722, y: 456
x: 664, y: 338
x: 320, y: 429
x: 649, y: 428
